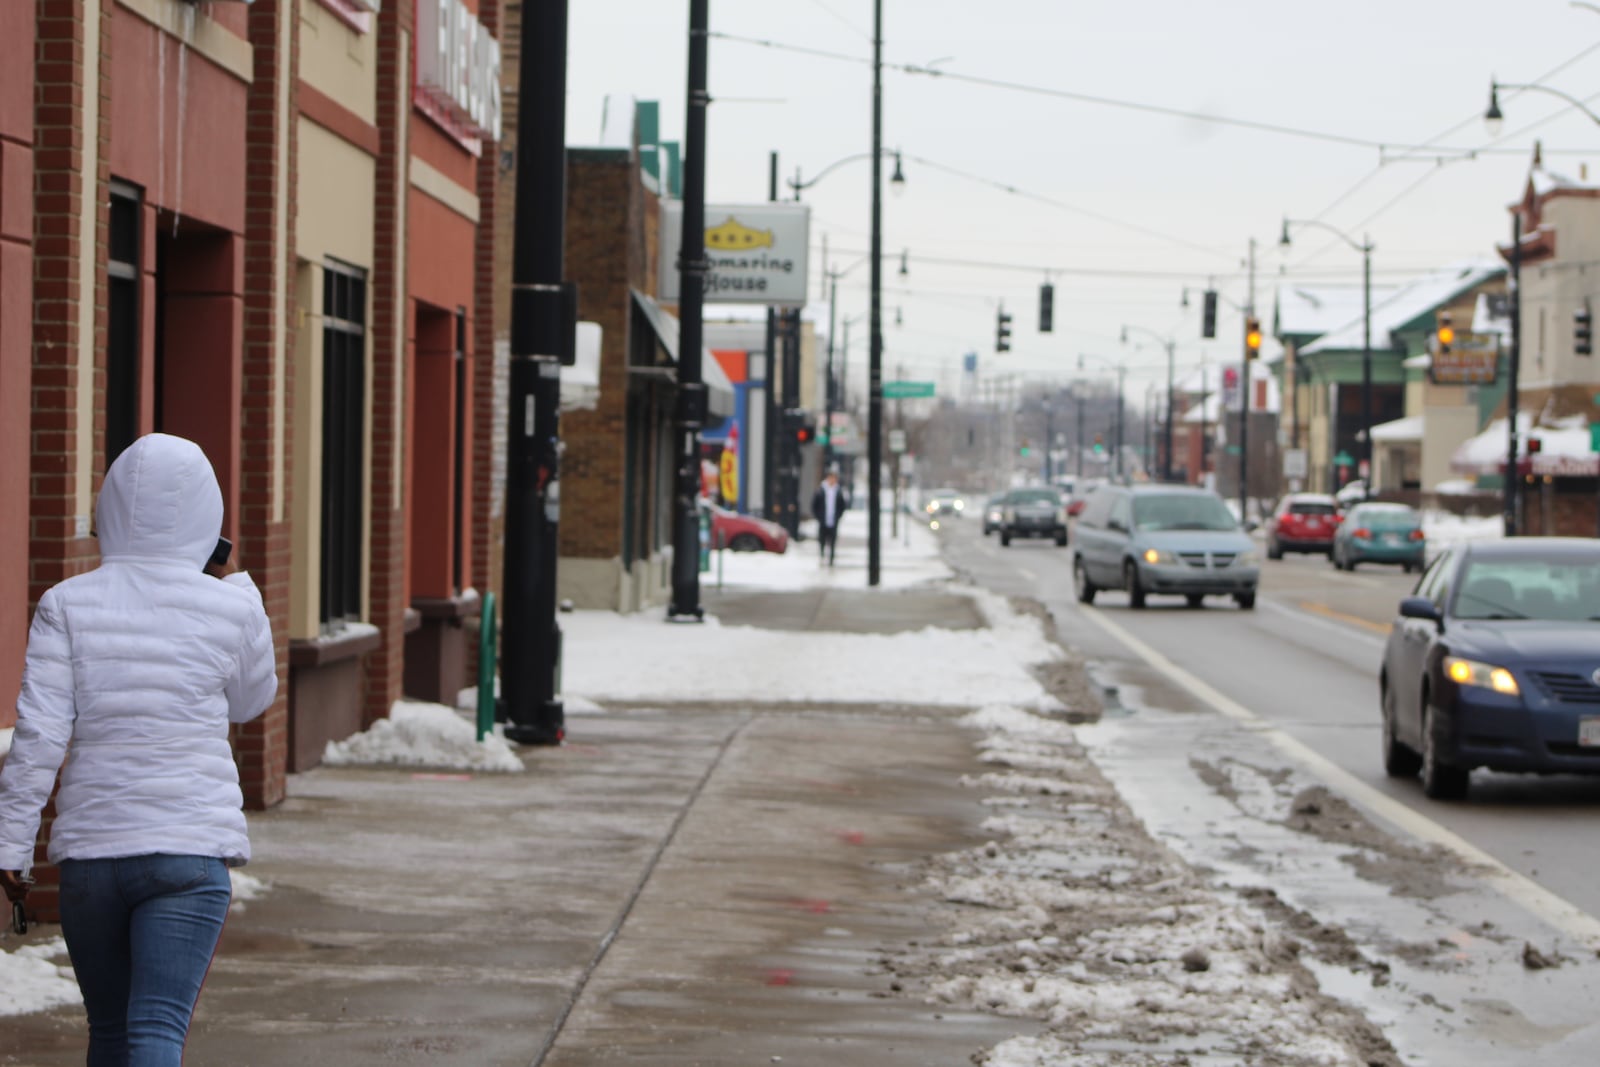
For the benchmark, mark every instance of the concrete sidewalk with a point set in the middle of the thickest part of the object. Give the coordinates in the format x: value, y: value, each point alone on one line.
x: 693, y: 886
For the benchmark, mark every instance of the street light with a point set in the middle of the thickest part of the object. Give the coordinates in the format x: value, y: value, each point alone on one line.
x: 1365, y: 248
x: 1493, y: 120
x: 1170, y: 344
x: 897, y: 180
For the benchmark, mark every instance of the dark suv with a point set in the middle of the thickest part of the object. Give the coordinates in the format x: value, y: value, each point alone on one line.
x: 1033, y: 513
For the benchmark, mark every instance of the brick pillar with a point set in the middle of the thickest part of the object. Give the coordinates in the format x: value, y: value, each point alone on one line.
x: 71, y: 189
x: 265, y: 492
x: 387, y: 559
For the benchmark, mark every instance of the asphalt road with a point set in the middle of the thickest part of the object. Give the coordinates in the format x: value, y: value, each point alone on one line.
x: 1305, y: 661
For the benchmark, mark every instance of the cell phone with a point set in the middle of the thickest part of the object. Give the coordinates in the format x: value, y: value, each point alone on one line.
x: 220, y: 554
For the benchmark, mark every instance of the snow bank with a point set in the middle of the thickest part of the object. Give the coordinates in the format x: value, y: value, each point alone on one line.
x: 5, y: 740
x: 423, y: 735
x: 910, y: 559
x: 246, y: 887
x: 30, y: 981
x: 1444, y: 530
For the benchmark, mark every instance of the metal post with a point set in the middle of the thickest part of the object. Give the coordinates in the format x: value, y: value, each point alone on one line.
x: 540, y: 333
x: 1366, y: 365
x: 1244, y: 397
x: 788, y: 447
x: 769, y: 460
x: 1121, y: 371
x: 875, y: 344
x: 1166, y: 468
x: 828, y: 402
x: 1077, y: 388
x: 1049, y: 443
x: 692, y: 267
x: 1512, y: 490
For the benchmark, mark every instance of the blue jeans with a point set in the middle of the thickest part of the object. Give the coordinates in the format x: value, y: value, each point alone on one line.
x: 141, y: 931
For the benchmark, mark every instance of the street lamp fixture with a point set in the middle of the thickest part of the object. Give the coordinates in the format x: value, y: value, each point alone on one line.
x: 1365, y: 248
x: 897, y: 180
x: 1494, y: 120
x: 904, y: 266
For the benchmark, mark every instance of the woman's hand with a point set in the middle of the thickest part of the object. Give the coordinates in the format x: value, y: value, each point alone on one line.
x: 222, y: 570
x: 16, y: 888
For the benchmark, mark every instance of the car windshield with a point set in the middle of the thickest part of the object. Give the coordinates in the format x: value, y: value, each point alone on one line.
x: 1034, y: 496
x: 1565, y: 589
x: 1182, y: 511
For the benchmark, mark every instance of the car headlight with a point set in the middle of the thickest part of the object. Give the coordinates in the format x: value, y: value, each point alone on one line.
x: 1485, y: 676
x: 1158, y: 555
x: 1248, y: 558
x: 961, y: 505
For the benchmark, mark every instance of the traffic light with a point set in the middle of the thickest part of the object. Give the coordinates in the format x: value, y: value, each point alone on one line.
x: 805, y: 433
x: 1099, y: 444
x: 1445, y: 332
x: 1002, y: 333
x: 800, y: 426
x: 1025, y: 450
x: 1252, y: 337
x: 1047, y: 307
x: 1208, y: 317
x: 1582, y: 335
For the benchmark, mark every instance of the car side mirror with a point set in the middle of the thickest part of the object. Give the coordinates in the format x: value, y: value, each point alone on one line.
x: 1420, y: 607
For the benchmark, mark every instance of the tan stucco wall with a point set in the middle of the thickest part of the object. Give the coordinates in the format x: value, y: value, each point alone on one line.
x: 1553, y: 290
x: 339, y: 61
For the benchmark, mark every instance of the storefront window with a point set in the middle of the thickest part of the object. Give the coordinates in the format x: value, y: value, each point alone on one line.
x: 344, y: 335
x: 122, y: 341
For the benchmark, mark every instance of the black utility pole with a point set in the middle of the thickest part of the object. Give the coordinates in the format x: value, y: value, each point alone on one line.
x: 788, y: 446
x: 829, y: 399
x: 1166, y: 466
x: 543, y: 321
x: 769, y: 459
x: 692, y: 267
x: 1513, y: 479
x: 875, y: 326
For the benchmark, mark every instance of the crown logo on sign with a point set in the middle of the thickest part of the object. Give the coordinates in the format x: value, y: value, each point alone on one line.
x: 733, y: 235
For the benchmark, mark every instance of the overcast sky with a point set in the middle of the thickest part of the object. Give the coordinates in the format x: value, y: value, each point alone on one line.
x: 1190, y: 194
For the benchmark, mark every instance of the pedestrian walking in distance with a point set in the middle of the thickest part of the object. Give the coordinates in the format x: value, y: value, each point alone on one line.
x: 828, y: 505
x: 134, y: 672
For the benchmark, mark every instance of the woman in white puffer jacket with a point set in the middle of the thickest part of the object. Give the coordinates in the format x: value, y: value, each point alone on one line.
x: 134, y: 672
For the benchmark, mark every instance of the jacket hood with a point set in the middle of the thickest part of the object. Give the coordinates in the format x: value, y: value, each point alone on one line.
x: 160, y: 501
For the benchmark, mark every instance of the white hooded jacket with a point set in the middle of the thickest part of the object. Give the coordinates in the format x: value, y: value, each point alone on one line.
x: 134, y: 671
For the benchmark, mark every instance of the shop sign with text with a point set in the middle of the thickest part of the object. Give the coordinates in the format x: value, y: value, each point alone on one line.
x: 757, y: 253
x: 458, y: 68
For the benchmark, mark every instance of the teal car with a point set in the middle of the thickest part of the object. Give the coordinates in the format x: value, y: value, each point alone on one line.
x: 1380, y: 533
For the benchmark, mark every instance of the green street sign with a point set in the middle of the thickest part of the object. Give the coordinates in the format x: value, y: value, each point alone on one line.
x: 907, y: 390
x: 1343, y: 459
x: 1594, y: 437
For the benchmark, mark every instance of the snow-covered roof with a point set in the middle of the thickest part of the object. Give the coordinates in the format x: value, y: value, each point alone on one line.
x: 1563, y: 448
x: 1316, y: 309
x: 1405, y: 304
x: 1399, y: 431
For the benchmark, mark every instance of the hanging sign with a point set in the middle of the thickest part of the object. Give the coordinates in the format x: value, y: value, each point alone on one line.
x: 756, y: 252
x: 458, y: 67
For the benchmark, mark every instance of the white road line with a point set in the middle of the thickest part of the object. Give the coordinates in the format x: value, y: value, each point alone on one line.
x: 1547, y: 906
x: 1324, y: 624
x: 1027, y: 574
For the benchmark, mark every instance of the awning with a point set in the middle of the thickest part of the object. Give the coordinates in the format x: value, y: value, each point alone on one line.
x: 1399, y: 432
x: 719, y: 390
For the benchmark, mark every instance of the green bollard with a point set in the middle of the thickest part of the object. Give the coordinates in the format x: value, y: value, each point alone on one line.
x: 486, y: 666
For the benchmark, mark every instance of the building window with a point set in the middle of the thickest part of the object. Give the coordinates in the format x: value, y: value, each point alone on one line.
x: 344, y: 337
x: 123, y: 335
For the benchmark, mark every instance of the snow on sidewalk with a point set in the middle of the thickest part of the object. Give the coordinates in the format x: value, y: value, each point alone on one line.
x: 418, y: 734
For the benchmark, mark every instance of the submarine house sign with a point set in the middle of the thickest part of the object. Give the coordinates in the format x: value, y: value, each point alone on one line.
x: 757, y: 253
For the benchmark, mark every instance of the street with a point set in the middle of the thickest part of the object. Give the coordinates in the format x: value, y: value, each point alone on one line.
x: 1223, y: 728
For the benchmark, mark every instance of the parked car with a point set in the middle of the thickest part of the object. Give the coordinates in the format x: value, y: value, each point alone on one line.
x: 1494, y: 662
x: 1033, y: 513
x: 993, y: 513
x: 1163, y: 539
x: 1303, y: 522
x: 1380, y: 533
x: 943, y: 502
x: 745, y: 533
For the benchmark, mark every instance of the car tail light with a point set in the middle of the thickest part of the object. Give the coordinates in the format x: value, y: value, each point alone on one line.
x: 1418, y: 535
x: 1361, y: 533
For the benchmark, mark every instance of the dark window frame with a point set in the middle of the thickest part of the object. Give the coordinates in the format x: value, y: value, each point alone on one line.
x: 125, y: 315
x: 344, y: 352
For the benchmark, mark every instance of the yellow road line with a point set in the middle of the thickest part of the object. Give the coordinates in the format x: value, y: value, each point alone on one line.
x: 1354, y: 620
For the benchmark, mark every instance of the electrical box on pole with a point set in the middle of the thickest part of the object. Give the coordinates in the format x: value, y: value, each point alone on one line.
x: 1047, y: 307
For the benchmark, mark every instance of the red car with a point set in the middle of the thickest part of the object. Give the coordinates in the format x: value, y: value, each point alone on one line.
x: 745, y: 533
x: 1304, y: 522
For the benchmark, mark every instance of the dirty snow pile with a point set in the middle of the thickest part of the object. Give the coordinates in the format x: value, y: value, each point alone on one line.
x: 417, y: 734
x: 933, y: 667
x: 5, y: 740
x: 1073, y: 916
x: 30, y: 981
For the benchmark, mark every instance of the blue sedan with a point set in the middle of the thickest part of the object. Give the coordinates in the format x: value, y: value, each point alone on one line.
x: 1495, y: 662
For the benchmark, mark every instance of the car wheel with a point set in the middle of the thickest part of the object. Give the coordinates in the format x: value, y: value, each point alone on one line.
x: 1080, y: 579
x: 1195, y: 600
x: 1440, y: 780
x: 745, y: 542
x: 1246, y: 601
x: 1130, y: 581
x: 1399, y: 760
x: 1274, y: 550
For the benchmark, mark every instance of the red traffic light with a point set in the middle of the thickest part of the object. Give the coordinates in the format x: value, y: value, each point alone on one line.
x: 804, y: 434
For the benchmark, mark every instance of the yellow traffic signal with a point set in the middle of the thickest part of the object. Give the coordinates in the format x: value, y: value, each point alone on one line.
x: 1252, y: 337
x: 1445, y: 332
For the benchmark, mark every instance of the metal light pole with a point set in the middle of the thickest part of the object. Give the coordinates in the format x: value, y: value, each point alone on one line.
x: 1170, y: 344
x: 1512, y: 488
x: 692, y: 268
x: 542, y: 316
x: 1365, y: 247
x: 875, y: 344
x: 769, y: 458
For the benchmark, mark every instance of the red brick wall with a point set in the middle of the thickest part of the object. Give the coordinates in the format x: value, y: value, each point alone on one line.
x: 16, y: 357
x: 262, y: 746
x: 386, y: 566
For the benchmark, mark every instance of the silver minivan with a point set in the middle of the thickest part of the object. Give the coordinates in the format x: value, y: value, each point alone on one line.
x: 1163, y: 539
